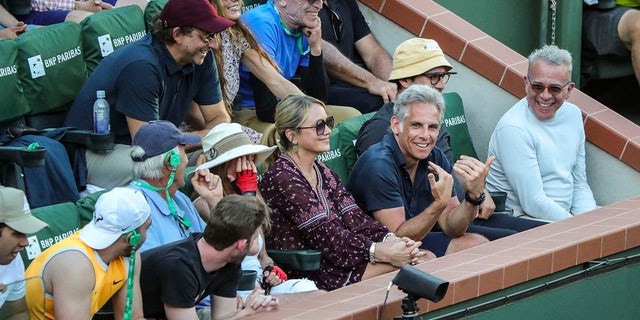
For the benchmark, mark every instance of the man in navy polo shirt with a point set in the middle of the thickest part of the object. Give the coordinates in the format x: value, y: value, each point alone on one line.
x: 155, y: 78
x: 406, y: 183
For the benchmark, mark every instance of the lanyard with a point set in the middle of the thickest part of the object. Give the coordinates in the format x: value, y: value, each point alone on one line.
x: 172, y: 209
x: 297, y: 35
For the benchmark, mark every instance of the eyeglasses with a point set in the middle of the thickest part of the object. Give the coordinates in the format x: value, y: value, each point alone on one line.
x: 206, y: 37
x: 435, y: 77
x: 336, y: 22
x: 553, y: 89
x: 321, y: 125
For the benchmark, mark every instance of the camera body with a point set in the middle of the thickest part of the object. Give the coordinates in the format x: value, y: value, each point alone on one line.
x: 420, y: 284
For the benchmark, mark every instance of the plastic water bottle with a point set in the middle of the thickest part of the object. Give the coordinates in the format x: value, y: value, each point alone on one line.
x: 101, y: 121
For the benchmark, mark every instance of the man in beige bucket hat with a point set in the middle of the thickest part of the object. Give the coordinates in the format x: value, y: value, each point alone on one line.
x: 419, y: 61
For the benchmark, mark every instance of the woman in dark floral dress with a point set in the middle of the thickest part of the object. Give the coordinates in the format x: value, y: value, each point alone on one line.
x: 313, y: 210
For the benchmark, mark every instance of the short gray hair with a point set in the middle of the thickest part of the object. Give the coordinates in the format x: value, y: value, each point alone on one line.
x: 150, y: 168
x: 553, y: 55
x: 418, y: 93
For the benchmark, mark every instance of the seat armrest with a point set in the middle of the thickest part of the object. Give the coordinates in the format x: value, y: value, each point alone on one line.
x: 97, y: 143
x: 23, y: 156
x: 302, y: 260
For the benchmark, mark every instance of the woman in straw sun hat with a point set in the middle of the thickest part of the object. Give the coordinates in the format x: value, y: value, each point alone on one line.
x: 231, y: 155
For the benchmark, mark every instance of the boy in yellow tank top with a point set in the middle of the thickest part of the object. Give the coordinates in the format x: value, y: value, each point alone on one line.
x: 82, y: 272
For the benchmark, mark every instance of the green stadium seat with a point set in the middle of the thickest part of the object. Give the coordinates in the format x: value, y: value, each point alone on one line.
x: 14, y: 103
x: 153, y: 7
x: 456, y: 123
x: 107, y: 31
x: 342, y: 155
x: 250, y: 4
x: 52, y: 70
x: 13, y: 109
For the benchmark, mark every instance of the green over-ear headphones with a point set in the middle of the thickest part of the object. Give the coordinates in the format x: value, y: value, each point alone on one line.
x: 134, y: 238
x: 174, y: 159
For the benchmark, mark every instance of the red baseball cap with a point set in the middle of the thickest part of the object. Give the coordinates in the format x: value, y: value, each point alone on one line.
x: 193, y: 13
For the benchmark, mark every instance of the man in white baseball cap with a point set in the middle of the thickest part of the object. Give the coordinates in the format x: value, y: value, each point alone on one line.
x: 16, y: 222
x: 82, y: 272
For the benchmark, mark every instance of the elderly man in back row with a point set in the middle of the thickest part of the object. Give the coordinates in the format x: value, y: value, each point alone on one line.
x: 539, y: 145
x: 159, y: 162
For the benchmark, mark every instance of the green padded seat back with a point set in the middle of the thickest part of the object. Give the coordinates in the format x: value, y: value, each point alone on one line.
x: 64, y: 219
x: 153, y: 7
x: 51, y: 66
x: 342, y: 154
x: 333, y: 158
x: 109, y: 30
x: 13, y: 103
x: 250, y: 4
x: 456, y: 123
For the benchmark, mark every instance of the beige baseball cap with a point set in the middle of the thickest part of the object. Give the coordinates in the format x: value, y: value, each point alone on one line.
x: 417, y: 56
x: 15, y: 212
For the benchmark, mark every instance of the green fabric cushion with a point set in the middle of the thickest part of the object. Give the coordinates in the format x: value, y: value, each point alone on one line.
x: 342, y: 154
x: 17, y: 7
x: 250, y: 4
x: 51, y: 66
x: 456, y: 123
x: 153, y: 7
x: 14, y: 104
x: 64, y: 219
x: 109, y: 30
x: 333, y: 158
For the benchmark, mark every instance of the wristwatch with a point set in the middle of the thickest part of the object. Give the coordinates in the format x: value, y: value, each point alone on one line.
x: 249, y: 194
x: 475, y: 202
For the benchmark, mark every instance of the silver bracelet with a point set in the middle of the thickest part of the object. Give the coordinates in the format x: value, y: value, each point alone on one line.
x: 387, y: 236
x: 372, y: 253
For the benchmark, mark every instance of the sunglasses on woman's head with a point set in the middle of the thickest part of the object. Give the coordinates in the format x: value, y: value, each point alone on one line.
x: 321, y: 125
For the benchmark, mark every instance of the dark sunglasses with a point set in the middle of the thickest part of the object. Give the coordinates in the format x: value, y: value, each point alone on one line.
x: 336, y: 22
x: 435, y: 77
x: 321, y: 125
x: 554, y: 89
x: 206, y: 37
